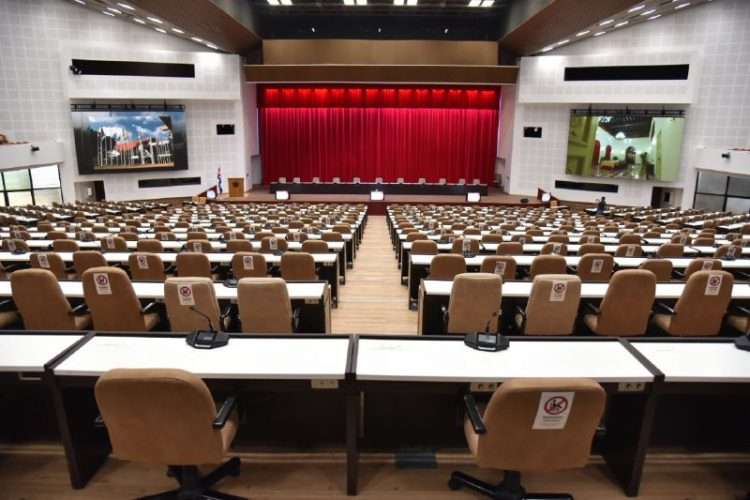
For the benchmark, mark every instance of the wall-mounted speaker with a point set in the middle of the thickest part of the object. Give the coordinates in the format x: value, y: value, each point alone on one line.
x: 225, y: 129
x: 532, y: 132
x: 131, y: 68
x: 587, y: 186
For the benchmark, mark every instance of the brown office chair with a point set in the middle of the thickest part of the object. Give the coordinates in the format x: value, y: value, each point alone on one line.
x: 470, y: 246
x: 168, y: 417
x: 588, y: 239
x: 630, y: 239
x: 547, y: 264
x: 184, y: 296
x: 264, y: 306
x: 510, y: 248
x: 42, y: 304
x: 703, y: 242
x: 416, y: 236
x: 629, y: 250
x: 662, y: 268
x: 331, y: 237
x: 234, y: 246
x: 588, y: 248
x: 113, y: 303
x: 249, y: 265
x: 199, y: 246
x: 700, y: 264
x: 595, y: 267
x: 273, y: 244
x: 56, y: 235
x: 114, y: 244
x: 728, y: 250
x: 681, y: 239
x: 192, y: 264
x: 554, y: 248
x: 492, y: 238
x: 447, y: 266
x: 149, y: 246
x: 670, y: 251
x: 65, y: 245
x: 552, y: 307
x: 197, y: 235
x: 474, y: 304
x: 129, y: 236
x: 315, y: 246
x: 557, y: 238
x: 298, y: 266
x: 626, y: 306
x: 424, y: 247
x: 145, y: 266
x: 509, y: 436
x: 51, y: 262
x: 502, y: 265
x: 86, y: 259
x: 701, y: 307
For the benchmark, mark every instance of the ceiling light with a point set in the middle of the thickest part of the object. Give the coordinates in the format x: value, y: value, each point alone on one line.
x: 348, y: 2
x: 178, y: 31
x: 211, y: 46
x: 411, y: 3
x: 312, y: 29
x: 488, y: 3
x: 657, y: 16
x: 624, y: 23
x: 108, y: 13
x: 445, y: 31
x: 399, y: 3
x: 608, y: 21
x: 682, y: 6
x: 286, y: 2
x: 475, y: 3
x: 600, y: 33
x: 196, y: 39
x: 547, y: 49
x: 583, y: 33
x: 273, y: 2
x: 161, y: 30
x: 126, y: 6
x: 636, y: 8
x: 563, y: 42
x: 112, y: 9
x: 154, y: 20
x: 361, y: 2
x: 80, y: 2
x: 139, y: 20
x: 648, y: 12
x: 380, y: 30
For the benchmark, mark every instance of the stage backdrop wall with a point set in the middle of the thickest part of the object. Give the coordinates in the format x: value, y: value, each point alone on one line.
x: 370, y: 132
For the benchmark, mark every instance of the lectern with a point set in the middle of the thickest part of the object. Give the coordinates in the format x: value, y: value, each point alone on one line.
x: 236, y: 186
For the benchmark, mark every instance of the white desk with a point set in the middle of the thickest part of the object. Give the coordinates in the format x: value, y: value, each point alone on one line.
x: 719, y: 362
x: 451, y: 361
x: 327, y: 259
x: 29, y: 353
x: 242, y: 358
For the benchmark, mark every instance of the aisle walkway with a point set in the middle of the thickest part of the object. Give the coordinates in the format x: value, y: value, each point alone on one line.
x: 373, y: 301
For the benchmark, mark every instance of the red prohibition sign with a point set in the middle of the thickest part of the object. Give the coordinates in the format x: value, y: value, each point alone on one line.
x: 556, y: 405
x: 185, y: 291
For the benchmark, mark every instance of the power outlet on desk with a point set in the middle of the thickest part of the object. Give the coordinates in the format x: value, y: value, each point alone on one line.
x: 483, y: 387
x: 631, y: 387
x: 324, y: 384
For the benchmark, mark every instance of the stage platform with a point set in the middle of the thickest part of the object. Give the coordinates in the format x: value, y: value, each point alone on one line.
x: 495, y: 197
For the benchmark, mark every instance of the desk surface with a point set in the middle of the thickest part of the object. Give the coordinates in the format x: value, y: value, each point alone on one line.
x: 29, y: 353
x: 242, y: 358
x: 423, y: 360
x: 168, y: 257
x: 698, y: 361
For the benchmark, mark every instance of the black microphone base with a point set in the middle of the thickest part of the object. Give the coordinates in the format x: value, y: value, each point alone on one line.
x: 200, y: 339
x: 742, y: 343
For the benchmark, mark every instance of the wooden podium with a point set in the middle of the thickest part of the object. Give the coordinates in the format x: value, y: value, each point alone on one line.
x: 236, y: 186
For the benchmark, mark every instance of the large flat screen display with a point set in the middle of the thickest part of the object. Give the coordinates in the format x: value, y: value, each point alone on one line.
x: 625, y: 146
x: 127, y: 141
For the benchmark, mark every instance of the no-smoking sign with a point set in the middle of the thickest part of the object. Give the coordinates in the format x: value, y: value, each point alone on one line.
x: 555, y: 406
x: 553, y: 410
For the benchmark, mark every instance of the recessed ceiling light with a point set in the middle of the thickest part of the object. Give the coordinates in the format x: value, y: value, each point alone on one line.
x: 80, y: 2
x: 648, y: 12
x: 361, y: 2
x: 286, y: 2
x: 161, y: 30
x: 608, y: 21
x: 600, y: 33
x: 399, y: 3
x: 348, y: 2
x: 108, y: 13
x: 273, y: 2
x: 563, y: 42
x: 475, y: 3
x: 636, y: 8
x: 312, y: 29
x: 126, y: 6
x: 380, y: 30
x: 196, y: 39
x: 547, y: 49
x: 682, y: 6
x: 657, y: 16
x: 488, y: 3
x: 445, y: 31
x: 139, y: 20
x: 154, y: 20
x: 178, y: 31
x: 212, y: 46
x: 620, y: 25
x: 411, y: 3
x: 583, y: 33
x: 112, y: 9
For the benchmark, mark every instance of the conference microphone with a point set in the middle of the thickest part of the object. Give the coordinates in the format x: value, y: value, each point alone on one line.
x: 488, y: 342
x: 204, y: 316
x: 206, y: 340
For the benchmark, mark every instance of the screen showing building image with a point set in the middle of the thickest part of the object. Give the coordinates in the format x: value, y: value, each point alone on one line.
x: 126, y: 141
x: 625, y: 146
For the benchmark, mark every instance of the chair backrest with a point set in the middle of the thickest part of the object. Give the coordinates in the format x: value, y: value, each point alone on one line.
x: 492, y: 238
x: 587, y: 248
x: 112, y: 301
x: 159, y: 416
x: 509, y: 248
x: 662, y: 268
x: 629, y: 250
x: 519, y: 437
x: 626, y: 307
x: 554, y: 248
x: 553, y: 305
x: 197, y: 235
x: 424, y: 247
x: 547, y: 264
x: 114, y: 244
x: 56, y: 235
x: 463, y: 245
x: 192, y: 264
x: 151, y: 246
x: 703, y: 242
x: 630, y: 239
x: 447, y: 266
x: 474, y: 303
x: 86, y: 259
x: 702, y: 265
x: 202, y: 246
x: 502, y: 265
x: 702, y: 305
x: 596, y: 267
x: 271, y: 244
x: 249, y: 265
x: 331, y: 237
x: 315, y: 246
x: 264, y: 305
x: 183, y: 296
x: 146, y: 266
x: 416, y: 235
x: 49, y: 261
x: 65, y: 245
x: 298, y: 266
x: 234, y: 246
x: 40, y: 300
x: 129, y: 236
x: 670, y: 250
x: 730, y: 250
x: 556, y: 238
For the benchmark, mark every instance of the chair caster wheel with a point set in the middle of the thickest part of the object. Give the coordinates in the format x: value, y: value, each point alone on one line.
x: 454, y: 484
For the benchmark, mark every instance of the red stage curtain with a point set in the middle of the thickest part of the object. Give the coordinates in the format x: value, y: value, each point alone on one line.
x: 378, y: 132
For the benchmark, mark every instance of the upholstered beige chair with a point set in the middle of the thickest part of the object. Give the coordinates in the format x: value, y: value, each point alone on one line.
x: 113, y: 303
x: 86, y: 259
x: 447, y: 266
x: 502, y: 265
x: 505, y: 436
x: 332, y: 237
x: 272, y: 244
x: 547, y: 264
x: 474, y: 303
x: 670, y: 251
x: 630, y: 239
x: 629, y: 250
x: 700, y: 264
x: 554, y: 248
x: 114, y: 244
x: 662, y: 268
x: 51, y: 262
x: 471, y: 246
x: 588, y: 248
x: 65, y: 245
x: 192, y: 264
x: 42, y: 304
x: 510, y: 248
x: 298, y: 266
x: 626, y: 307
x: 168, y: 417
x: 701, y: 307
x: 315, y: 246
x: 198, y: 246
x: 552, y: 307
x: 236, y: 245
x: 185, y: 295
x: 249, y: 265
x: 264, y: 306
x: 150, y: 246
x: 595, y: 267
x: 145, y: 266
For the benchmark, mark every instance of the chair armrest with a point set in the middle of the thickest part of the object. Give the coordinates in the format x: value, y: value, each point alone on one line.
x: 149, y: 306
x: 591, y: 308
x: 296, y: 313
x: 473, y: 413
x: 172, y: 268
x: 741, y: 310
x: 227, y: 312
x: 7, y: 305
x: 98, y: 422
x: 224, y: 411
x: 679, y: 275
x: 446, y: 316
x: 572, y: 269
x: 14, y: 267
x: 215, y: 268
x: 743, y: 275
x: 79, y: 310
x: 662, y: 308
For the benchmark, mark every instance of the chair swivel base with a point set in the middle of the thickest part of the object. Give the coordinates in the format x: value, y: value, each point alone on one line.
x: 509, y: 489
x: 194, y: 487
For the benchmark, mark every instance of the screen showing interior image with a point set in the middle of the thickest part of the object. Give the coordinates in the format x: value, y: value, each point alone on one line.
x: 625, y: 146
x: 127, y: 141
